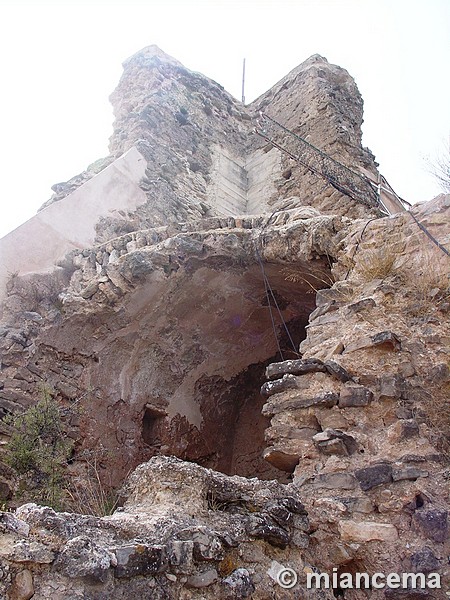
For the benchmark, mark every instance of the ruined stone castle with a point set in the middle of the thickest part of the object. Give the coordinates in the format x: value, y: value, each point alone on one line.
x: 257, y: 358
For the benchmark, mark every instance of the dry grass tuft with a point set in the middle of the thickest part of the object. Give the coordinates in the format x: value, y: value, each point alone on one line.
x: 426, y: 284
x: 377, y: 263
x: 313, y: 281
x: 88, y: 494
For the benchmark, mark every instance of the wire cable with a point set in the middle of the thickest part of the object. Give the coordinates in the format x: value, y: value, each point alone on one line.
x: 427, y: 233
x: 269, y: 290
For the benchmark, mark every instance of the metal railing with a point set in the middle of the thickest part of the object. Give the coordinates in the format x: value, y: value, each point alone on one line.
x: 342, y: 178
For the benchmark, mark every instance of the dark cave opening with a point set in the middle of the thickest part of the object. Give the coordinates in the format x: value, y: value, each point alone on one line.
x: 295, y: 333
x: 151, y: 423
x: 234, y: 426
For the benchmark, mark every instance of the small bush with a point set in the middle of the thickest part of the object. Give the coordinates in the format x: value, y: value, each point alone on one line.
x: 38, y: 450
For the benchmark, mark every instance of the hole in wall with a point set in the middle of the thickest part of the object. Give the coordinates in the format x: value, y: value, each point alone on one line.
x: 231, y: 438
x: 289, y: 344
x: 233, y: 424
x: 350, y: 568
x: 419, y: 501
x: 235, y: 341
x: 151, y: 425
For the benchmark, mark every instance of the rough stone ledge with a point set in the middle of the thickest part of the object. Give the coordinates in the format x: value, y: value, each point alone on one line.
x: 180, y: 521
x: 325, y: 399
x: 384, y: 339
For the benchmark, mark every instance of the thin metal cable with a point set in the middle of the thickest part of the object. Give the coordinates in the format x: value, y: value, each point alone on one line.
x: 426, y: 232
x: 338, y: 185
x: 281, y: 315
x: 270, y: 306
x: 268, y: 289
x: 342, y: 178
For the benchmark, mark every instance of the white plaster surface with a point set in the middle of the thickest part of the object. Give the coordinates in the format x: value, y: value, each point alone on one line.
x: 228, y: 194
x: 243, y: 185
x: 262, y: 168
x: 70, y: 223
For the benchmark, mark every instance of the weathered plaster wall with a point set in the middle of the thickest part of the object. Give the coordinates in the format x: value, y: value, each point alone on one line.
x: 71, y: 223
x: 243, y: 185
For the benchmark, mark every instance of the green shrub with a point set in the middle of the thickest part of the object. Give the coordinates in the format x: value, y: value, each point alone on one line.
x: 38, y: 450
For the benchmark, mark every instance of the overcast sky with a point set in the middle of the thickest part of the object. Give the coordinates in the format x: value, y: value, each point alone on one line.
x: 61, y: 59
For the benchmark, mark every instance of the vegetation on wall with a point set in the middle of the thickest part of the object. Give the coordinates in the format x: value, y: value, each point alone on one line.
x: 38, y: 450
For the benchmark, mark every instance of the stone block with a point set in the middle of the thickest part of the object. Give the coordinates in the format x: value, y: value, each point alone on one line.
x: 402, y: 412
x: 337, y: 371
x: 139, y: 559
x: 294, y: 367
x: 279, y: 513
x: 297, y: 418
x: 11, y: 523
x: 207, y: 545
x: 354, y: 395
x: 391, y: 386
x: 332, y: 441
x: 262, y: 527
x: 354, y: 504
x: 409, y: 428
x: 28, y: 551
x: 384, y: 339
x: 15, y: 396
x: 432, y: 523
x: 287, y: 382
x: 238, y: 585
x: 373, y: 476
x: 424, y: 561
x: 22, y: 588
x: 322, y: 310
x: 367, y: 531
x: 361, y: 305
x: 281, y: 460
x: 407, y: 473
x: 203, y: 579
x: 387, y: 339
x: 335, y: 481
x: 333, y: 447
x: 277, y: 433
x: 180, y: 554
x: 334, y: 419
x: 81, y: 557
x: 406, y: 369
x: 403, y: 430
x: 325, y: 399
x: 300, y: 539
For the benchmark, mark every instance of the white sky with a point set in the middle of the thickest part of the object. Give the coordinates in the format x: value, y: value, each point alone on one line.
x: 61, y: 59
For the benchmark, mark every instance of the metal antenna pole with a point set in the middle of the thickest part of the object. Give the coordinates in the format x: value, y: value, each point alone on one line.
x: 243, y: 82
